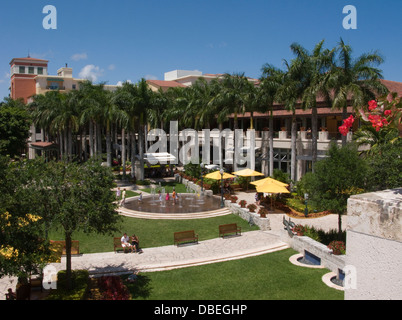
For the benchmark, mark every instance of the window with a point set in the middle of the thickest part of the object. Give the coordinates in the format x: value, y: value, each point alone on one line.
x: 31, y: 70
x: 40, y: 70
x: 22, y: 70
x: 74, y: 86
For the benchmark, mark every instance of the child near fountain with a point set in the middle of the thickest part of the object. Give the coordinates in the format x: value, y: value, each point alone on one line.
x: 167, y: 196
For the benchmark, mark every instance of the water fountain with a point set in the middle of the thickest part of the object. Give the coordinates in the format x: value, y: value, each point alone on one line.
x: 185, y: 203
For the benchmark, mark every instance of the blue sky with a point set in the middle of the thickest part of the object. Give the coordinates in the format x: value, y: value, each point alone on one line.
x: 112, y: 41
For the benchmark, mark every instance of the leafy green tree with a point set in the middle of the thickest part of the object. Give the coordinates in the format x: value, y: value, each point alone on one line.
x: 342, y: 174
x: 66, y: 195
x: 385, y: 165
x: 14, y: 127
x: 23, y: 247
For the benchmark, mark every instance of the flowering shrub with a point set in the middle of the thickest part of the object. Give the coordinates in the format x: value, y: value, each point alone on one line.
x: 112, y: 288
x: 251, y: 207
x: 299, y: 229
x: 263, y: 212
x: 387, y: 111
x: 338, y: 247
x: 233, y: 199
x: 242, y: 203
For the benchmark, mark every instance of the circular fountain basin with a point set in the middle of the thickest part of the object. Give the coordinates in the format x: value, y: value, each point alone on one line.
x: 187, y: 203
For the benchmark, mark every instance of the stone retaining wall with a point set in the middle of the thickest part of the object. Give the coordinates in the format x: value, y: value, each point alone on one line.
x: 303, y: 243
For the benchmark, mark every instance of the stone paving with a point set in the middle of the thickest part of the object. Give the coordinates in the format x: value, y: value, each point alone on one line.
x: 169, y: 257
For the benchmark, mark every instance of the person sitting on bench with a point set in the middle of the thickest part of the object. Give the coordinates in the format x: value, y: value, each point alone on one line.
x: 136, y: 243
x: 125, y: 242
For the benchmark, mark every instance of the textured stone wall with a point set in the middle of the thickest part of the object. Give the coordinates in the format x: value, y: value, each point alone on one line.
x: 374, y: 245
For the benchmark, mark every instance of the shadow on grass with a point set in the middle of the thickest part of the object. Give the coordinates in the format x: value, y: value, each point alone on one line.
x: 140, y: 288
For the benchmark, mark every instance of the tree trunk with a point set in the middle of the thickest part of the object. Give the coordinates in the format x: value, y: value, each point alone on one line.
x: 314, y: 135
x: 271, y: 144
x: 91, y: 139
x: 108, y: 145
x: 123, y: 152
x: 68, y: 261
x: 293, y: 146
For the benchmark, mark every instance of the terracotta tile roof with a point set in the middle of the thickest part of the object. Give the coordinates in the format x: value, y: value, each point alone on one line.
x: 393, y: 86
x: 163, y: 83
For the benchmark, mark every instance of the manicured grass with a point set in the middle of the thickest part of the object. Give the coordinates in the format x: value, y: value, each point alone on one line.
x: 267, y: 277
x: 152, y: 233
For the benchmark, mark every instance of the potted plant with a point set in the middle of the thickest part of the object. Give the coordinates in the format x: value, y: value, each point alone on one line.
x: 233, y: 199
x: 263, y: 212
x: 242, y: 203
x: 251, y: 207
x: 337, y: 247
x: 299, y: 230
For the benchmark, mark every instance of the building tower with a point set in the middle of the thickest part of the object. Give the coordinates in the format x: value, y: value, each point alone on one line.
x: 23, y: 72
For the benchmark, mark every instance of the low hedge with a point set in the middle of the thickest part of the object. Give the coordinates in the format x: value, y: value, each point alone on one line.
x: 80, y: 281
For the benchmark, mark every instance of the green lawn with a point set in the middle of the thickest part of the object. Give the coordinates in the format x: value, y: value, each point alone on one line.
x: 266, y: 277
x: 152, y: 233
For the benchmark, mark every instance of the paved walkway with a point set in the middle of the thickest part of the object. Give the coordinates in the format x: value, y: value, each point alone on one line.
x: 171, y: 257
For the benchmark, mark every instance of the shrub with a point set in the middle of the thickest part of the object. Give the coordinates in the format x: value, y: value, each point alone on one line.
x: 251, y: 207
x: 79, y: 286
x: 263, y: 212
x: 338, y: 247
x: 233, y: 199
x: 242, y: 203
x: 299, y: 229
x: 112, y: 288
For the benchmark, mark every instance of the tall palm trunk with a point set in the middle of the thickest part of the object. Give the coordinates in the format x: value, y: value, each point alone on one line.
x: 314, y: 135
x: 293, y: 148
x: 123, y: 151
x: 271, y: 144
x: 108, y: 145
x: 91, y: 139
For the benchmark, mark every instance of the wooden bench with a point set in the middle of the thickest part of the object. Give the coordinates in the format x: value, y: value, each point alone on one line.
x: 117, y: 244
x: 75, y: 246
x: 230, y: 228
x: 185, y: 237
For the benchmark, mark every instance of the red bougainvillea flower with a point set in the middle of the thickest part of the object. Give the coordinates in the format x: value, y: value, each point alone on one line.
x: 387, y: 113
x: 347, y: 123
x: 372, y: 105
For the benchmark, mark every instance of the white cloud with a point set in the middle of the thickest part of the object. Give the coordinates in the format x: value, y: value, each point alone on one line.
x: 91, y: 72
x: 79, y: 56
x: 111, y: 67
x: 120, y: 83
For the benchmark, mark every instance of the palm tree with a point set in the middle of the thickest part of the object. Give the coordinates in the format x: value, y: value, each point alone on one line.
x: 355, y: 81
x: 313, y: 74
x: 271, y: 81
x: 91, y: 106
x: 124, y: 98
x: 231, y: 95
x: 142, y: 102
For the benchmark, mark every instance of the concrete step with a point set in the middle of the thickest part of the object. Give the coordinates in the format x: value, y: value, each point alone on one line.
x: 174, y: 216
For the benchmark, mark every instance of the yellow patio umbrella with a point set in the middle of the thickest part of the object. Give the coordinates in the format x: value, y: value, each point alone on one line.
x: 248, y: 173
x: 216, y: 175
x: 256, y: 183
x: 271, y: 186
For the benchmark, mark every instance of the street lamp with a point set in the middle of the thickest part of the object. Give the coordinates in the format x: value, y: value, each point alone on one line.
x: 202, y: 178
x: 305, y: 202
x: 222, y: 172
